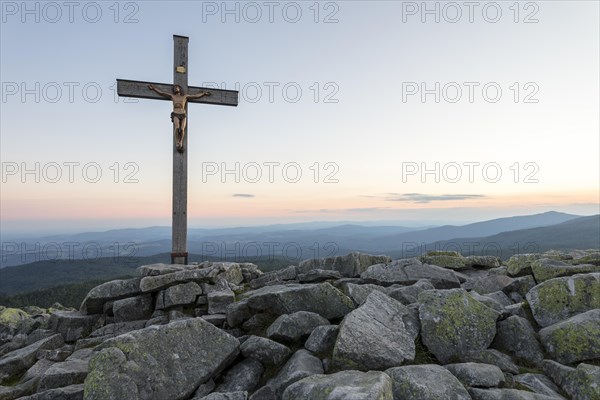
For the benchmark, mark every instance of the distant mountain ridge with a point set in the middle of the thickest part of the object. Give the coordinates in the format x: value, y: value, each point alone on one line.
x: 272, y: 240
x: 576, y: 232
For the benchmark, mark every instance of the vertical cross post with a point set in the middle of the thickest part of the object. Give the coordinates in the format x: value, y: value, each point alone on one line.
x: 164, y: 91
x: 179, y: 254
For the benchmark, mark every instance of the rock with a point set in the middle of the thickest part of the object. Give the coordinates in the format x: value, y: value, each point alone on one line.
x: 17, y: 342
x: 231, y: 272
x: 237, y: 313
x: 72, y: 324
x: 19, y: 391
x: 215, y: 319
x: 183, y: 294
x: 547, y: 268
x: 16, y: 362
x: 488, y: 301
x: 118, y: 328
x: 66, y: 373
x: 351, y: 265
x: 268, y: 352
x: 579, y: 383
x: 484, y: 262
x: 250, y: 271
x: 205, y: 389
x: 264, y: 393
x: 71, y: 392
x: 560, y: 298
x: 162, y: 269
x: 242, y: 377
x: 516, y: 336
x: 133, y: 308
x: 94, y: 301
x: 520, y: 264
x: 275, y: 277
x: 321, y: 298
x: 493, y: 357
x: 477, y: 375
x: 520, y: 285
x: 37, y: 370
x: 258, y: 323
x: 589, y: 257
x: 318, y: 275
x: 427, y: 381
x: 409, y: 294
x: 322, y: 339
x: 342, y: 385
x: 226, y: 396
x: 374, y: 336
x: 506, y: 394
x: 299, y: 366
x: 359, y: 293
x: 575, y: 339
x: 159, y: 362
x: 295, y: 326
x: 446, y: 259
x: 14, y: 321
x: 452, y: 323
x: 409, y: 271
x: 538, y: 383
x: 500, y: 297
x: 219, y: 300
x: 159, y: 282
x: 489, y: 284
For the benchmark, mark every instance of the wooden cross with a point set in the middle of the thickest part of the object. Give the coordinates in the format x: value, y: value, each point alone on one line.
x: 138, y: 89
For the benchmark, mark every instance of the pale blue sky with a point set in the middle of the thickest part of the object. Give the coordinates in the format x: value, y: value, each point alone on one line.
x: 369, y: 133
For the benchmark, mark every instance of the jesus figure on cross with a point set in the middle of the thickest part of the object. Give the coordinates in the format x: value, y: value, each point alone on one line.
x: 178, y: 116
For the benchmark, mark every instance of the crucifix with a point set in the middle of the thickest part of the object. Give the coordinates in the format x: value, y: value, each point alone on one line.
x: 180, y: 94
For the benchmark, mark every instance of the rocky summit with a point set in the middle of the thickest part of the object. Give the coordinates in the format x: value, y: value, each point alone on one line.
x: 436, y: 327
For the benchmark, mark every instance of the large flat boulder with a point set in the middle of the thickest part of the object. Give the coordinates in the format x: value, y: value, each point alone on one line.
x: 350, y: 265
x: 409, y: 271
x: 342, y: 385
x: 159, y: 362
x: 375, y: 336
x: 560, y: 298
x: 575, y: 339
x: 152, y: 283
x: 548, y: 268
x: 453, y: 323
x: 321, y: 298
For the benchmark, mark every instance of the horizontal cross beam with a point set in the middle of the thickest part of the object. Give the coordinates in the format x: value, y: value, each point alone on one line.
x: 139, y: 89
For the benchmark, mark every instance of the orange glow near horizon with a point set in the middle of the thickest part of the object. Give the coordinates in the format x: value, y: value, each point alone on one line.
x: 226, y: 207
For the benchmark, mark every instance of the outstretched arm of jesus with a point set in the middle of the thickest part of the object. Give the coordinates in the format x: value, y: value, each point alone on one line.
x: 197, y: 96
x: 163, y: 94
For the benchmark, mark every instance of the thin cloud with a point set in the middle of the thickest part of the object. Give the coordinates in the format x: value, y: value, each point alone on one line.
x: 427, y: 198
x: 366, y: 209
x: 244, y: 195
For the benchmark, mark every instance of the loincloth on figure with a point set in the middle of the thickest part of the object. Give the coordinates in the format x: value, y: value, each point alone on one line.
x: 177, y: 115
